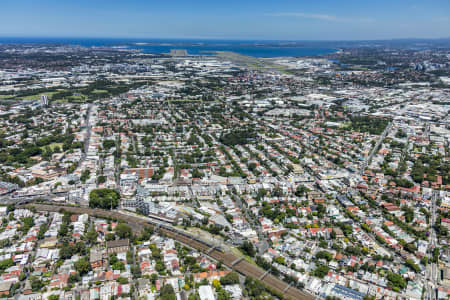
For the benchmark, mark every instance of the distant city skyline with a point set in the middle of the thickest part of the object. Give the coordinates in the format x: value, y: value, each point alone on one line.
x: 262, y: 20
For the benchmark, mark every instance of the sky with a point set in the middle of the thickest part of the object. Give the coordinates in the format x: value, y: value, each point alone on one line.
x: 230, y: 19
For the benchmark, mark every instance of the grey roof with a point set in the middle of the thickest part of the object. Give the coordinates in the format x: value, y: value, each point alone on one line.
x: 5, y: 286
x: 117, y: 243
x: 96, y: 255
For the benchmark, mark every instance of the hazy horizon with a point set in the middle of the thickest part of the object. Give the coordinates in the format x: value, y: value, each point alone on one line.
x: 199, y: 39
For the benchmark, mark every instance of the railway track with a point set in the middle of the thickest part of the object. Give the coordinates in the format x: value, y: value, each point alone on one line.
x: 227, y: 258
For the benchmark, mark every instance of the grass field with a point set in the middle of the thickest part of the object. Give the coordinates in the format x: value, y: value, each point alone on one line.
x: 53, y: 145
x: 345, y: 125
x: 238, y: 253
x: 99, y: 91
x: 79, y: 98
x: 37, y: 96
x: 184, y: 100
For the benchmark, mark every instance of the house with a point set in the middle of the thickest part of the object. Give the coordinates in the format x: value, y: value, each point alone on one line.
x: 445, y: 222
x: 117, y: 246
x: 206, y: 293
x: 339, y: 233
x: 446, y: 276
x: 5, y: 286
x: 210, y: 276
x: 96, y: 258
x: 3, y: 211
x: 234, y: 290
x: 27, y: 288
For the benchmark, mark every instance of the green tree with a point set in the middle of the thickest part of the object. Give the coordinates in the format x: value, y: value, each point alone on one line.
x: 108, y: 144
x: 104, y: 198
x: 324, y: 255
x: 197, y: 174
x: 5, y: 264
x: 280, y: 260
x: 123, y: 230
x: 410, y: 263
x: 22, y: 276
x: 122, y: 280
x: 230, y: 278
x: 222, y: 294
x: 36, y: 284
x: 167, y: 293
x: 92, y: 235
x: 110, y: 236
x: 119, y: 266
x: 396, y: 281
x: 82, y: 266
x: 194, y: 296
x: 53, y: 297
x: 321, y: 271
x: 66, y: 251
x: 113, y: 259
x: 74, y: 278
x: 101, y: 179
x: 301, y: 190
x: 85, y: 176
x: 42, y: 230
x: 28, y: 222
x: 248, y: 249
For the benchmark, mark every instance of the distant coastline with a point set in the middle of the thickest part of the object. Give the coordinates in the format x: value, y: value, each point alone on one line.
x: 259, y: 49
x: 254, y: 48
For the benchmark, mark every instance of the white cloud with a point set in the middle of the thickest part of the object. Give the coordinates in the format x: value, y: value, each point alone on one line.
x: 323, y: 17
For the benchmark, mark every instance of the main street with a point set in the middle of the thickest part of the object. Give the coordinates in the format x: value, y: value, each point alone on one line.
x: 432, y: 271
x: 17, y: 200
x: 375, y: 148
x: 263, y: 245
x: 88, y: 133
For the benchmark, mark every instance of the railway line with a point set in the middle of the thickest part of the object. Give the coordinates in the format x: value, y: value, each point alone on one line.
x: 227, y: 258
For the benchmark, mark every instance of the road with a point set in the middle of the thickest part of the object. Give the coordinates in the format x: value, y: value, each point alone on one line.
x: 263, y: 245
x: 432, y: 271
x: 240, y: 265
x: 396, y: 256
x: 117, y: 164
x: 374, y: 149
x: 8, y: 199
x: 427, y: 130
x: 88, y: 135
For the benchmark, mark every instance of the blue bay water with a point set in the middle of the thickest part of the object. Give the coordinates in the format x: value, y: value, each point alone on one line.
x: 195, y: 47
